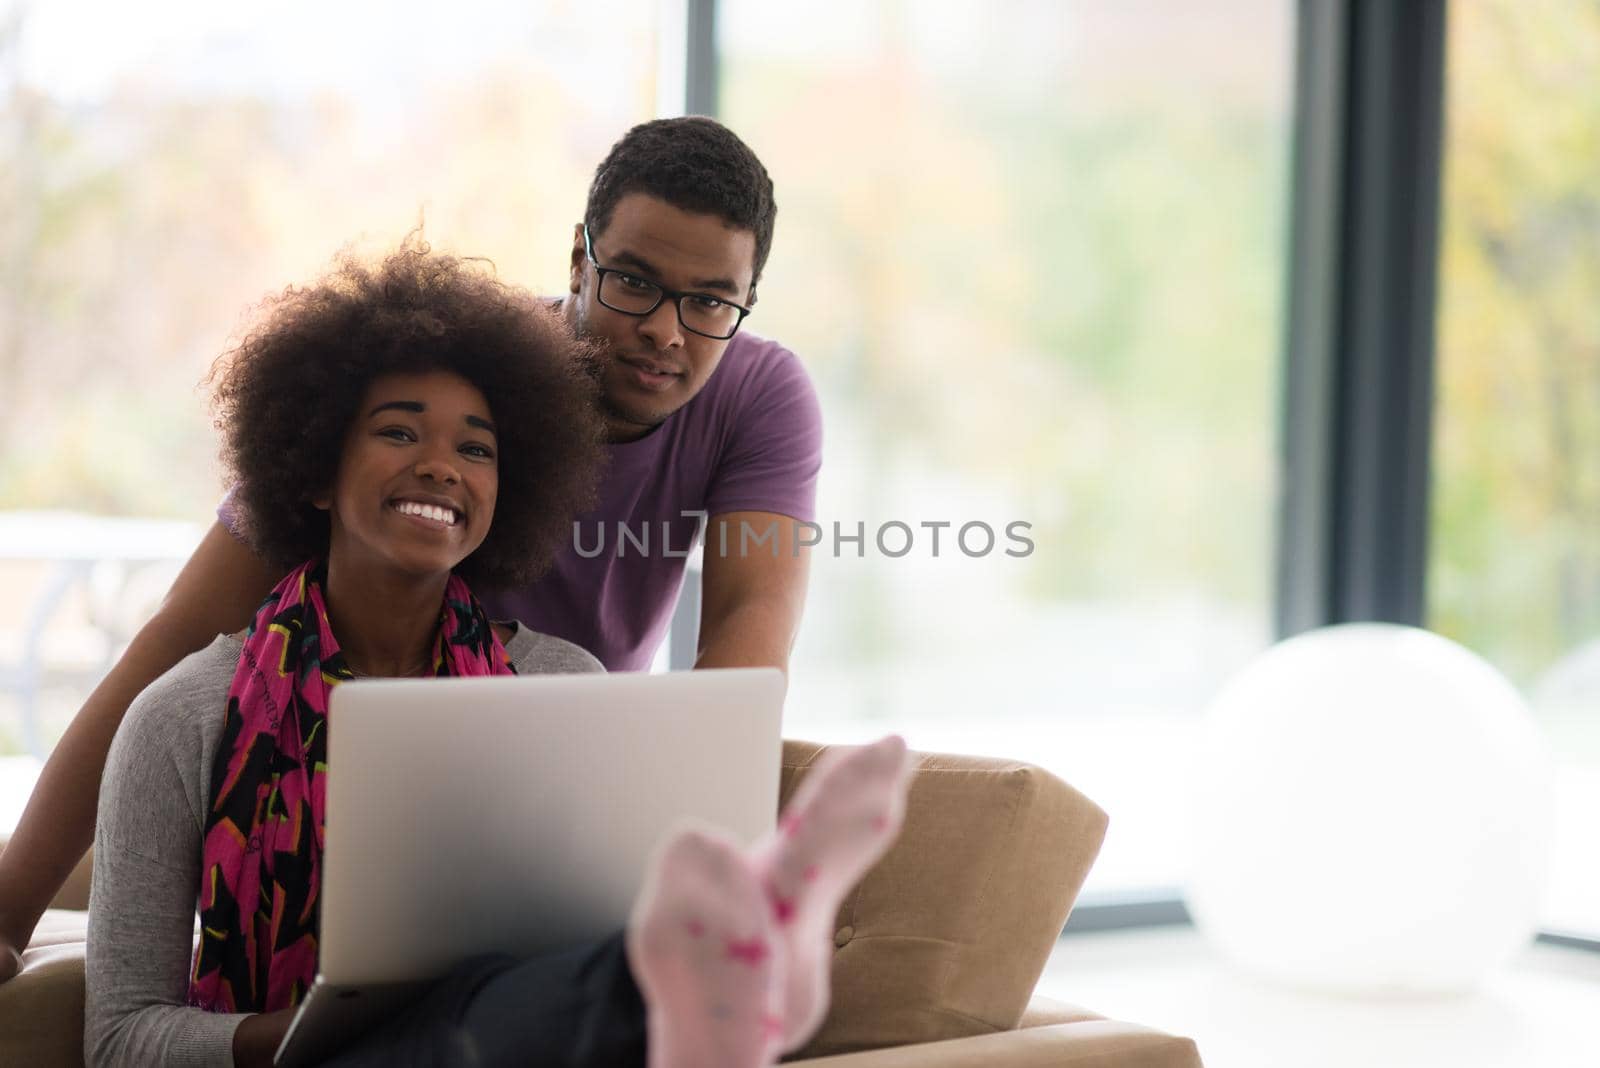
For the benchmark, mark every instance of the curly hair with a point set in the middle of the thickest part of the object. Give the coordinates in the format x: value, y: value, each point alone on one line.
x: 693, y: 163
x: 286, y: 397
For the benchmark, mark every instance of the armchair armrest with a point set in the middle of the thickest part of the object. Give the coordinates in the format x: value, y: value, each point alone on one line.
x: 1083, y: 1044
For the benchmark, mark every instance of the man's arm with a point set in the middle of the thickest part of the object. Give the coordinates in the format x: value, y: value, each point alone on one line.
x: 215, y: 593
x: 753, y: 590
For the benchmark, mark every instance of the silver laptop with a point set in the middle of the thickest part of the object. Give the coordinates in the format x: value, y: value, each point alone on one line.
x: 513, y: 815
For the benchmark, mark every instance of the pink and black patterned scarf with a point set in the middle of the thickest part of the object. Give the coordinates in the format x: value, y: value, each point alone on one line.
x: 262, y: 861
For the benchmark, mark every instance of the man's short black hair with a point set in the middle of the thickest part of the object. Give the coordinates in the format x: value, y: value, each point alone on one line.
x: 693, y: 163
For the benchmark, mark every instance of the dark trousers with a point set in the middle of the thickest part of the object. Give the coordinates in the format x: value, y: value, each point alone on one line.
x: 577, y: 1008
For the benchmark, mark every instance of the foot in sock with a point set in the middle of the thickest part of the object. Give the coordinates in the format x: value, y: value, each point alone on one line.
x: 842, y: 818
x: 706, y: 955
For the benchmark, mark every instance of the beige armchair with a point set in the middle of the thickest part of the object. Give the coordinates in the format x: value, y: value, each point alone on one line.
x: 938, y: 948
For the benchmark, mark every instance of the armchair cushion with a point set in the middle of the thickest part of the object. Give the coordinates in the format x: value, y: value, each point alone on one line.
x: 41, y: 1008
x: 947, y: 935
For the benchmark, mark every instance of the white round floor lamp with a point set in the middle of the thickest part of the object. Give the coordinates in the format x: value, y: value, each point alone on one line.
x: 1371, y: 815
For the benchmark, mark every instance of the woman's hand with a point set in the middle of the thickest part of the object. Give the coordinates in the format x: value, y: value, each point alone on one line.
x: 258, y: 1038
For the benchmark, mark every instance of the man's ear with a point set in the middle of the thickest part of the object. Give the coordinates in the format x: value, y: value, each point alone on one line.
x: 575, y: 279
x: 750, y: 301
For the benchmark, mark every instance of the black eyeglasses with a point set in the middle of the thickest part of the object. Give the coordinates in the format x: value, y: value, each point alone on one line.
x: 699, y: 313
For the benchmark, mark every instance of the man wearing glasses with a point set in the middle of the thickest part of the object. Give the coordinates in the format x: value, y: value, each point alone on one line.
x: 706, y: 421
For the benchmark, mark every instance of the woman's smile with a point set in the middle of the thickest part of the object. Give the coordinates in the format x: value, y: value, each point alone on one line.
x: 425, y: 451
x: 440, y: 516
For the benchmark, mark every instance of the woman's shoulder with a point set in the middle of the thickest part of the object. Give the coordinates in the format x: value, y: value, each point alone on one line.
x: 176, y: 710
x: 164, y: 745
x: 534, y: 653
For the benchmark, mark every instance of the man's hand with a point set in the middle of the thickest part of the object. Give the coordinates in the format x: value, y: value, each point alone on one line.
x: 753, y: 590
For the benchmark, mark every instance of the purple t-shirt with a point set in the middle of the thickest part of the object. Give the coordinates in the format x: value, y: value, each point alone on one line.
x: 750, y: 440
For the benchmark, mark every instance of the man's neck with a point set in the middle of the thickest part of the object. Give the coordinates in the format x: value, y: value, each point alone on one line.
x: 622, y: 432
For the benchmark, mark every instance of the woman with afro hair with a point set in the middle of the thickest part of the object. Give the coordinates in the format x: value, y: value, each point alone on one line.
x: 398, y: 435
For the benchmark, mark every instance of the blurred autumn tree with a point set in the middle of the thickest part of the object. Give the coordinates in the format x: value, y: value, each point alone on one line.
x: 138, y: 226
x: 1041, y: 245
x: 1033, y: 254
x: 1515, y: 563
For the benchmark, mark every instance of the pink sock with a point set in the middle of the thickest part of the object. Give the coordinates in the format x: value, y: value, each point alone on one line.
x: 844, y: 816
x: 707, y: 958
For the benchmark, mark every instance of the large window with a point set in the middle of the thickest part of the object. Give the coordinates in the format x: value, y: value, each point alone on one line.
x: 1032, y: 253
x: 1515, y: 558
x: 163, y: 165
